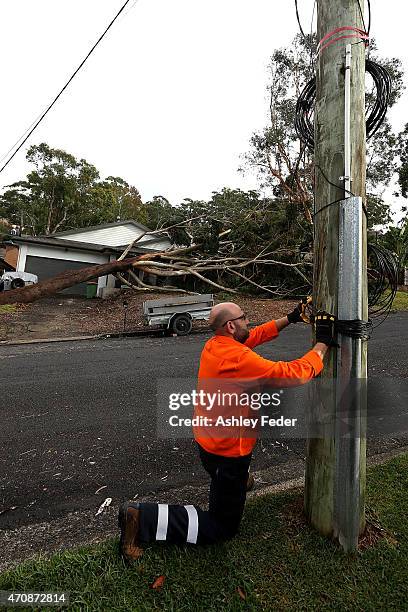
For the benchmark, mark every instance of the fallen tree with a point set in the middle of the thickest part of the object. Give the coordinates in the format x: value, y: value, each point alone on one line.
x: 69, y: 278
x: 64, y: 281
x: 176, y: 262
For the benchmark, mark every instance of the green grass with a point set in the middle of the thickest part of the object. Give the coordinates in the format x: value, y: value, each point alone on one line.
x: 400, y: 301
x: 7, y: 308
x: 277, y: 561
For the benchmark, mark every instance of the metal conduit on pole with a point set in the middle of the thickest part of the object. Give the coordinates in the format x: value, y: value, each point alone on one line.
x: 350, y: 389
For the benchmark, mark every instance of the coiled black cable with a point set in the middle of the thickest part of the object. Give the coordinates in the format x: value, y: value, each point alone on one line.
x: 304, y: 124
x: 382, y: 281
x: 383, y: 84
x: 382, y: 286
x: 355, y: 328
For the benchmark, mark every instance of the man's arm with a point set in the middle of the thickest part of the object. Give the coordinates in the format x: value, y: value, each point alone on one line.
x: 321, y: 349
x: 297, y: 371
x: 262, y: 333
x: 282, y: 323
x: 268, y: 331
x: 296, y: 316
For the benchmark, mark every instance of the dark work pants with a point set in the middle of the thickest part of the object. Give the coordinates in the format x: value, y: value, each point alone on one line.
x: 178, y: 524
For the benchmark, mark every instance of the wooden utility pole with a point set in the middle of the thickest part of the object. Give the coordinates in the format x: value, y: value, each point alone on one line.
x: 322, y: 468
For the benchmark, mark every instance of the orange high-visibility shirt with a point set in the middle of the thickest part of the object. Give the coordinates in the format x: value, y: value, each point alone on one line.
x: 225, y: 358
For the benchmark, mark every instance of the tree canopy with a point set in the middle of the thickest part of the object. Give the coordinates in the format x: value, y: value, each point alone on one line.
x: 273, y: 234
x: 62, y: 192
x: 286, y: 167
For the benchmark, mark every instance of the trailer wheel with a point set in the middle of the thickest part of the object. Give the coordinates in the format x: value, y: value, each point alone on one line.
x: 17, y: 283
x: 181, y: 325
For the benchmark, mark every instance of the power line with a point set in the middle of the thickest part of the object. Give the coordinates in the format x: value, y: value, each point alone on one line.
x: 37, y: 123
x: 298, y: 20
x: 360, y: 8
x: 308, y: 39
x: 369, y: 16
x: 21, y: 137
x: 366, y: 29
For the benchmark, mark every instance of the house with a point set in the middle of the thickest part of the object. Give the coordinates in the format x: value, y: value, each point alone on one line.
x: 47, y: 256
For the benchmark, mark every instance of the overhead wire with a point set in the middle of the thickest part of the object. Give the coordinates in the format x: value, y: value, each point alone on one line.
x: 298, y: 20
x: 307, y: 43
x: 21, y: 137
x: 369, y: 16
x: 362, y: 15
x: 49, y: 107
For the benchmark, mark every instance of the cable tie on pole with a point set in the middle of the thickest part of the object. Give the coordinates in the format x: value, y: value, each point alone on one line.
x: 355, y: 328
x: 357, y: 33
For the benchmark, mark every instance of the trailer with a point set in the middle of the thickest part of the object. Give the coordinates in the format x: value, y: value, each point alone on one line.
x: 177, y: 314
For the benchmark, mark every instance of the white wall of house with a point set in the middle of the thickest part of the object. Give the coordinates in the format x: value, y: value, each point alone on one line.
x: 159, y: 245
x: 34, y: 250
x: 116, y: 236
x: 26, y: 250
x: 21, y: 259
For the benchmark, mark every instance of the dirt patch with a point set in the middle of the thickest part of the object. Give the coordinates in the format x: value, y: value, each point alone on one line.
x: 372, y: 535
x: 374, y: 532
x: 64, y: 317
x: 294, y: 521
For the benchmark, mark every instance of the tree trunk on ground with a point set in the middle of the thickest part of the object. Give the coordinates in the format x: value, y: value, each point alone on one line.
x: 68, y: 279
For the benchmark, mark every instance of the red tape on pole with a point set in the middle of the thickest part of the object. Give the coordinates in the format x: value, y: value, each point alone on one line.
x: 357, y: 33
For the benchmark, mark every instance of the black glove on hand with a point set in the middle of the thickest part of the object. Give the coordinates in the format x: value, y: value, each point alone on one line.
x: 325, y: 328
x: 298, y: 314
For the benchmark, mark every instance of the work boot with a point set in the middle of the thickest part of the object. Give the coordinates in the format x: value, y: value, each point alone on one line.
x: 250, y: 482
x: 129, y: 525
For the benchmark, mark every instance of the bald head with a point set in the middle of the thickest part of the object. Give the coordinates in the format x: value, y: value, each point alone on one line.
x: 223, y: 312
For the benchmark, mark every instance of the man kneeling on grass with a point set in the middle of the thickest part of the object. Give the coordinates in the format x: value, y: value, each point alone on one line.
x: 227, y: 355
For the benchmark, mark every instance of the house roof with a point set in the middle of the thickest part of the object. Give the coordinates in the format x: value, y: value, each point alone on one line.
x: 76, y: 245
x: 92, y: 228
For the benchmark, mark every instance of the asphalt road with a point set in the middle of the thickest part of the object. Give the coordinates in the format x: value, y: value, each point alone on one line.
x: 78, y: 420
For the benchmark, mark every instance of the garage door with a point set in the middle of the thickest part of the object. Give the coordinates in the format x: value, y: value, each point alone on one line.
x: 45, y: 267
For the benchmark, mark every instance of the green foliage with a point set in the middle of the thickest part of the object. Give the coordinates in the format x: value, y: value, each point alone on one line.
x: 400, y: 302
x: 240, y: 225
x: 4, y: 230
x: 378, y: 211
x: 275, y: 151
x: 395, y: 239
x: 8, y: 308
x: 63, y: 193
x: 403, y: 157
